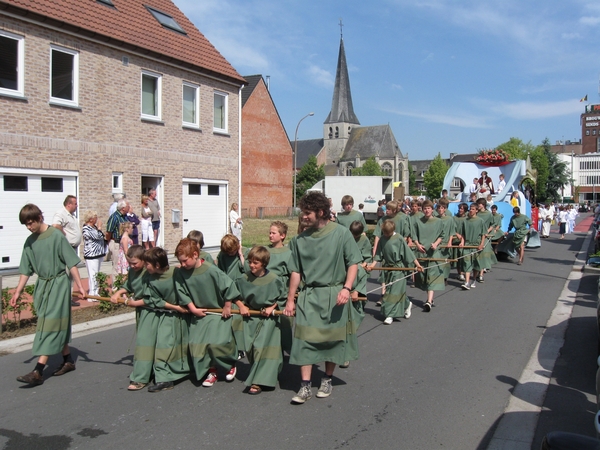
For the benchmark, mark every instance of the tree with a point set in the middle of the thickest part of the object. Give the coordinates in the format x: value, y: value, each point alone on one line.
x: 308, y: 176
x: 516, y: 148
x: 539, y: 161
x: 558, y: 173
x: 369, y: 168
x: 434, y: 177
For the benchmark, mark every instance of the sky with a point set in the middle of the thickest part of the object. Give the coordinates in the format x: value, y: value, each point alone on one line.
x: 448, y: 76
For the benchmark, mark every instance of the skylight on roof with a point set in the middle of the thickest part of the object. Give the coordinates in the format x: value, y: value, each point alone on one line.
x: 165, y: 20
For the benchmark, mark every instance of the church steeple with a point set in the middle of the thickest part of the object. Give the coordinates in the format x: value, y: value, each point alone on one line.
x: 342, y: 110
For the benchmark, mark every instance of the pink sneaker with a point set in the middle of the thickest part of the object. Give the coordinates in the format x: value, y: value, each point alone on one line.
x: 211, y: 378
x: 231, y: 374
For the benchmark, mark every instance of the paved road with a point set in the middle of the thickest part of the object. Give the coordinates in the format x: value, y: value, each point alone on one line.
x: 439, y: 380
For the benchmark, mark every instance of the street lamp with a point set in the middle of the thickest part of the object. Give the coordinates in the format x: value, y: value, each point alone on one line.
x: 296, y: 153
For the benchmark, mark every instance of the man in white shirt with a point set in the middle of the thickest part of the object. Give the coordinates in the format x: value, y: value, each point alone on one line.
x: 501, y: 184
x: 65, y: 221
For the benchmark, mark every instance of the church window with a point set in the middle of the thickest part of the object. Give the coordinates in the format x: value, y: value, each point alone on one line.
x: 400, y: 171
x: 387, y: 169
x: 330, y: 132
x: 349, y: 168
x: 337, y: 132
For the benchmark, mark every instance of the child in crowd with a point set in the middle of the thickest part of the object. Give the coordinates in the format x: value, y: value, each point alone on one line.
x: 146, y: 319
x: 279, y: 264
x: 449, y: 232
x: 198, y: 238
x: 472, y: 233
x: 487, y: 257
x: 393, y: 252
x: 170, y: 353
x: 461, y: 214
x: 200, y: 286
x: 231, y: 261
x: 46, y: 253
x: 124, y: 230
x: 261, y: 290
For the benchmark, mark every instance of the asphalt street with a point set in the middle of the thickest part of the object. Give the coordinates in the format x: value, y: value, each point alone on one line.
x: 438, y: 380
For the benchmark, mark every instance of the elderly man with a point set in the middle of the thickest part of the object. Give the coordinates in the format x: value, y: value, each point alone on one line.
x: 113, y: 235
x: 65, y: 221
x: 113, y: 206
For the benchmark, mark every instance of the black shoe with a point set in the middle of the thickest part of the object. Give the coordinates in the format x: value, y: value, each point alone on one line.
x: 74, y: 303
x: 64, y: 368
x: 427, y: 306
x: 34, y: 378
x: 162, y: 386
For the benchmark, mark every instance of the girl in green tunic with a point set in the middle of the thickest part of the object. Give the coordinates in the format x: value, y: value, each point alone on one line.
x: 393, y: 252
x: 261, y: 290
x: 201, y: 286
x: 46, y: 253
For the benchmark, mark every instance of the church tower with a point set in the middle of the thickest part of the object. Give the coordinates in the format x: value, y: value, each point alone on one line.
x: 341, y: 119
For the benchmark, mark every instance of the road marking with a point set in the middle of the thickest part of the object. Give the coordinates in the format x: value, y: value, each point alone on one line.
x: 516, y: 429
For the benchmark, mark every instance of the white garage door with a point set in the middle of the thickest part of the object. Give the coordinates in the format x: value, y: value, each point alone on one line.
x: 205, y: 209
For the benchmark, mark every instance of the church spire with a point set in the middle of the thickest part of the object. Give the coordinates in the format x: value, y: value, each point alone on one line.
x: 341, y: 106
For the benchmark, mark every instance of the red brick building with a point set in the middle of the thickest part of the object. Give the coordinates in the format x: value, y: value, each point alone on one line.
x: 267, y: 161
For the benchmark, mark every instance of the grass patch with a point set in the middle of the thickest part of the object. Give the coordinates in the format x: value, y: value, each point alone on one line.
x: 256, y: 231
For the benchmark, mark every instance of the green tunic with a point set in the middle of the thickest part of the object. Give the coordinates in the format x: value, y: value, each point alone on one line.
x: 449, y: 231
x: 206, y: 256
x: 146, y: 329
x: 170, y: 354
x: 456, y: 253
x: 471, y: 228
x: 487, y: 257
x: 47, y: 254
x: 279, y: 265
x: 401, y: 222
x: 262, y: 335
x: 519, y: 223
x: 233, y: 267
x: 497, y: 223
x: 211, y: 340
x: 426, y: 231
x: 346, y: 218
x: 394, y: 252
x: 324, y: 330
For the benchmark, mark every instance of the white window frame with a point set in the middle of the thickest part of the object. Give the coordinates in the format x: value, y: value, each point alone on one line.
x: 158, y: 78
x: 61, y: 101
x: 119, y: 188
x: 196, y: 123
x: 20, y: 91
x: 225, y: 96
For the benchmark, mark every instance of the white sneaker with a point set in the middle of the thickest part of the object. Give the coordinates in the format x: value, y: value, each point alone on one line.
x: 388, y: 320
x: 303, y: 394
x: 231, y: 374
x: 465, y: 287
x: 408, y: 311
x: 325, y: 388
x: 210, y: 379
x: 473, y: 285
x: 461, y: 277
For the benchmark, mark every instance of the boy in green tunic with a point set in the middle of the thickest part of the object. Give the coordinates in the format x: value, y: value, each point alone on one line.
x: 46, y: 253
x: 461, y: 215
x: 427, y: 235
x: 325, y: 257
x: 497, y: 233
x: 349, y: 215
x: 198, y: 238
x: 393, y: 252
x: 279, y: 264
x: 201, y: 286
x: 170, y: 353
x: 449, y: 231
x: 487, y: 257
x: 146, y: 319
x: 472, y: 234
x: 521, y: 224
x: 261, y: 290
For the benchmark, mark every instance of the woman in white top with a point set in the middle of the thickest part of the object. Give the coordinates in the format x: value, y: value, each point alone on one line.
x: 563, y: 217
x: 146, y: 222
x: 235, y: 222
x: 572, y: 214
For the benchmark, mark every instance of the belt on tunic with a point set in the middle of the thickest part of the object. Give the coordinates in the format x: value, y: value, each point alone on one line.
x: 52, y: 278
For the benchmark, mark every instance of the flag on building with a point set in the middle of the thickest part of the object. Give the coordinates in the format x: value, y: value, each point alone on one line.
x: 584, y: 99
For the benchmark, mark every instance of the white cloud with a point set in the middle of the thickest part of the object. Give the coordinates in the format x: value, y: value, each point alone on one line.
x: 397, y: 87
x: 320, y: 76
x: 465, y: 121
x: 570, y: 36
x: 589, y: 20
x: 427, y: 58
x: 535, y: 110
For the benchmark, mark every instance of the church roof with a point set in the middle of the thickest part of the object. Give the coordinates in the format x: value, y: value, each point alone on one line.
x: 341, y: 105
x: 306, y: 149
x: 376, y: 140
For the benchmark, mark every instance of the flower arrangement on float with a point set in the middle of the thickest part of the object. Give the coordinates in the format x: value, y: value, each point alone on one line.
x: 493, y: 157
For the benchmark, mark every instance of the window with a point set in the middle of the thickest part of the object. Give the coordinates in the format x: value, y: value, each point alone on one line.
x: 52, y: 184
x: 220, y: 114
x: 12, y: 71
x: 400, y: 171
x: 151, y: 95
x: 594, y: 132
x: 194, y: 189
x: 587, y: 132
x: 191, y: 100
x: 166, y: 20
x: 349, y: 168
x: 213, y: 189
x: 117, y: 183
x: 386, y: 168
x: 15, y: 183
x: 64, y: 76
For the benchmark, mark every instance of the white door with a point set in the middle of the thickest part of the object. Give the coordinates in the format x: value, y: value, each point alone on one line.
x: 154, y: 182
x: 205, y: 209
x: 46, y: 189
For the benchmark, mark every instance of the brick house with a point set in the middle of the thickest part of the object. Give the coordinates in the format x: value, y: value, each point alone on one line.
x: 106, y: 96
x: 267, y: 165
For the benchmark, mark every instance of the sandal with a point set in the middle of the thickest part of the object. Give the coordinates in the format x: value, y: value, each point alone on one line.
x: 135, y: 386
x: 255, y: 389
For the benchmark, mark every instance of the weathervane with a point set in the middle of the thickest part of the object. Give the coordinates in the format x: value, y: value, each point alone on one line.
x: 341, y: 29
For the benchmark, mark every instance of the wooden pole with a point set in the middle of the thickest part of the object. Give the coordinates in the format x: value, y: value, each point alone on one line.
x: 394, y: 269
x: 437, y: 259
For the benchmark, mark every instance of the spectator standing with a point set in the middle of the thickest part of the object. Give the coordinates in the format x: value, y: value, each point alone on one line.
x: 235, y: 222
x: 94, y: 249
x: 113, y: 233
x: 146, y: 222
x: 113, y: 206
x: 156, y: 214
x: 135, y: 221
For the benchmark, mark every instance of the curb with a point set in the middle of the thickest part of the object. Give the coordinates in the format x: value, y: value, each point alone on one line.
x: 516, y: 431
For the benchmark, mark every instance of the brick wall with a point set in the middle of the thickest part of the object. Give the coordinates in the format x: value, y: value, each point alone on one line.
x: 267, y: 161
x: 105, y: 134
